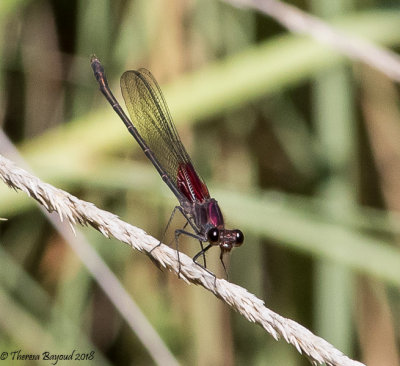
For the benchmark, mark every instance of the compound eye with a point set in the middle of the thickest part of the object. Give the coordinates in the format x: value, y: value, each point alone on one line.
x: 213, y: 235
x: 239, y: 237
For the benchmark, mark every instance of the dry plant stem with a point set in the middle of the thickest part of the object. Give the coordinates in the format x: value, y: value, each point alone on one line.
x: 105, y: 278
x: 300, y: 22
x: 75, y: 211
x: 380, y: 108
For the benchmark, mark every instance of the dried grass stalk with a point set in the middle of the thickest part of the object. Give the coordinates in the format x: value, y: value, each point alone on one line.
x: 300, y: 22
x: 253, y: 309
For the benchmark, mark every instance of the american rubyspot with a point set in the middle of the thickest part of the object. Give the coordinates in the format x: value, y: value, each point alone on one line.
x: 157, y: 136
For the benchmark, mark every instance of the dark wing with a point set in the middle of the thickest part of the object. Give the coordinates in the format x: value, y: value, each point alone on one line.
x: 150, y: 115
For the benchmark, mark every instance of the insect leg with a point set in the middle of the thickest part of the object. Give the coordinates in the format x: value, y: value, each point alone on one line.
x: 166, y: 228
x: 221, y: 258
x: 178, y: 233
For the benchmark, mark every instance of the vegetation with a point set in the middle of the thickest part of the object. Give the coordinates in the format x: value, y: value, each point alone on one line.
x: 298, y: 144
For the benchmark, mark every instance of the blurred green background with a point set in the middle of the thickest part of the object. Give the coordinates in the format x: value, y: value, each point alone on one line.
x: 299, y: 145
